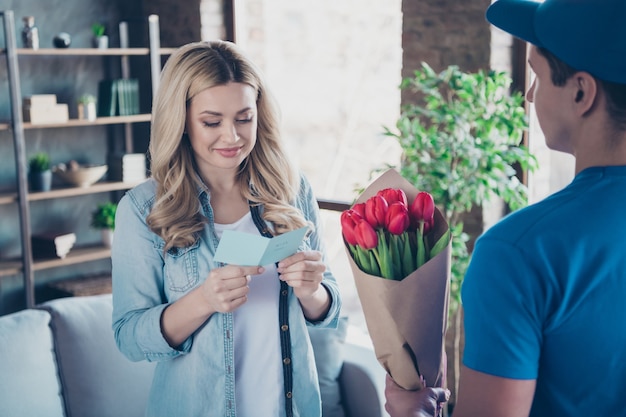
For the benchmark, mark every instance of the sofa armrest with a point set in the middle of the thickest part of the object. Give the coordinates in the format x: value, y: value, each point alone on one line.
x: 362, y: 382
x: 98, y: 381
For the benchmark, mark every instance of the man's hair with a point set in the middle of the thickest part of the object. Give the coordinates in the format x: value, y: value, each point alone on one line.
x: 615, y: 93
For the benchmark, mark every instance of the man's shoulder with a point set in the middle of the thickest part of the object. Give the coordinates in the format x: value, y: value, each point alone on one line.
x: 538, y: 216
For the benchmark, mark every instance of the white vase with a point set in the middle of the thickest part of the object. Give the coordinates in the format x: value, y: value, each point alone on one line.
x: 107, y: 237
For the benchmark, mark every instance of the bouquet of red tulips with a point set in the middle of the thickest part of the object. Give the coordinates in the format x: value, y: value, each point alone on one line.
x: 399, y: 251
x: 390, y: 238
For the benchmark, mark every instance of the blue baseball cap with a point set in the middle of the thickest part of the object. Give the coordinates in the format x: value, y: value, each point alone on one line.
x: 588, y: 35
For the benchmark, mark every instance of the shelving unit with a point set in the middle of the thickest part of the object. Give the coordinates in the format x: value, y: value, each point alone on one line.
x: 26, y: 265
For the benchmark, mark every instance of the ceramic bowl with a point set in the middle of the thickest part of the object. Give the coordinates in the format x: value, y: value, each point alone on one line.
x: 81, y: 176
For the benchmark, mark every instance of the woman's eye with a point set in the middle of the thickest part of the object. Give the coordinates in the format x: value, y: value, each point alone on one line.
x: 211, y: 124
x: 247, y: 120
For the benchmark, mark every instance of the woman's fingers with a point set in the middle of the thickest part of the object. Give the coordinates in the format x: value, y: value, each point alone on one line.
x: 298, y: 258
x: 226, y: 288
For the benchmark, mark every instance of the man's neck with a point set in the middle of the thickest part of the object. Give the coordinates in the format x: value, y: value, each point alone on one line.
x: 607, y: 149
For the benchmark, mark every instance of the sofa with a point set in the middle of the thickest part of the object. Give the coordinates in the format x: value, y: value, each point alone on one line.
x: 60, y: 360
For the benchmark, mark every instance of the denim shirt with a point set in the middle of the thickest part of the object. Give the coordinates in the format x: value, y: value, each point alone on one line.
x: 197, y: 378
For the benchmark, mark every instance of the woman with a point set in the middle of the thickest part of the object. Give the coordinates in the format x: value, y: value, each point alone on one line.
x: 230, y: 340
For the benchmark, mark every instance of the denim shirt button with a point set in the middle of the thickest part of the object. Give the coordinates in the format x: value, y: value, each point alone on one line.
x: 288, y: 394
x: 284, y: 327
x: 283, y: 292
x: 286, y: 361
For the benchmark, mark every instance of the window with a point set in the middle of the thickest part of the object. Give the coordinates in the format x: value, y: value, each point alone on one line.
x: 335, y: 68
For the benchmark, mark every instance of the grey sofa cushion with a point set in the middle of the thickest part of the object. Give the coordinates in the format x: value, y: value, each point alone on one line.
x: 362, y: 382
x: 29, y: 384
x: 98, y: 380
x: 328, y: 348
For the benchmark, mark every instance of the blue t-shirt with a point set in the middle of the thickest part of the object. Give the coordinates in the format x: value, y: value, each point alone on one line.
x: 545, y: 298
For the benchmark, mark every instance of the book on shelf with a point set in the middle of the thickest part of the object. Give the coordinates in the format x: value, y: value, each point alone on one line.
x: 52, y: 244
x: 118, y: 97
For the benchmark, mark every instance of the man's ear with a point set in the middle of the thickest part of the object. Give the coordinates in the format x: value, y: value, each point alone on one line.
x: 585, y: 92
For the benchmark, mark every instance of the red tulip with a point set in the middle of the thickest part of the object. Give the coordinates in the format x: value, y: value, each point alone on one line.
x: 397, y: 220
x: 393, y: 195
x: 365, y: 234
x: 376, y: 211
x: 429, y: 225
x: 349, y: 219
x: 422, y: 209
x: 360, y: 209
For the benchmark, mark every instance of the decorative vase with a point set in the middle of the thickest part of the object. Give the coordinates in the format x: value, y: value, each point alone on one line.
x: 30, y: 33
x: 40, y: 181
x: 107, y: 237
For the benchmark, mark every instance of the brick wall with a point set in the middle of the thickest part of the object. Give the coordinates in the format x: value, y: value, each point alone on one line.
x: 444, y: 32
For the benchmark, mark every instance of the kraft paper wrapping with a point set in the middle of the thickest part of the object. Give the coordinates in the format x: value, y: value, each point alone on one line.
x: 407, y: 319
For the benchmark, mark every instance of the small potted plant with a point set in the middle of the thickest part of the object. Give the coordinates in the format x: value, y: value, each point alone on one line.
x: 103, y: 218
x: 100, y: 40
x: 39, y: 172
x: 87, y: 107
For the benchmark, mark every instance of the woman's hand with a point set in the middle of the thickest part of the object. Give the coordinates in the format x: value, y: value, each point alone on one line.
x: 304, y: 272
x: 426, y: 402
x: 226, y: 288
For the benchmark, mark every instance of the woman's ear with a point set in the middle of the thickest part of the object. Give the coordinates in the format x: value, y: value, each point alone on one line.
x: 585, y: 92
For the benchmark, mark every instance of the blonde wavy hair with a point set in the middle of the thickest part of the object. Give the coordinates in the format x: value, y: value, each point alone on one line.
x: 266, y: 177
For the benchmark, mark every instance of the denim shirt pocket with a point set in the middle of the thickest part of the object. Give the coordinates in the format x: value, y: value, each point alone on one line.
x: 181, y: 268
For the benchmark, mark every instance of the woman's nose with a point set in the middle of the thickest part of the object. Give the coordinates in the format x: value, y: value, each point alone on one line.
x: 230, y: 134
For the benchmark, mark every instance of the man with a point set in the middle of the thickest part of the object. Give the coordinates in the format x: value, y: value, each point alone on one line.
x: 544, y: 296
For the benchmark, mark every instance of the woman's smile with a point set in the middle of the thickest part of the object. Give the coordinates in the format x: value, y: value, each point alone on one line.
x: 229, y: 152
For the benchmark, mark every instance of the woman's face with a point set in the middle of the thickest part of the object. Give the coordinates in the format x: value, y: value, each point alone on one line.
x: 222, y: 124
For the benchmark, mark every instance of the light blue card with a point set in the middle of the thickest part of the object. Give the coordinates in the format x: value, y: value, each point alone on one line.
x: 245, y: 249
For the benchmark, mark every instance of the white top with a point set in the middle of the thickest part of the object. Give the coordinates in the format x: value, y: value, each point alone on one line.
x: 258, y: 362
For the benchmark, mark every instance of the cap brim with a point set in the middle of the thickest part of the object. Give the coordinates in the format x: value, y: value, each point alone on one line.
x: 516, y: 17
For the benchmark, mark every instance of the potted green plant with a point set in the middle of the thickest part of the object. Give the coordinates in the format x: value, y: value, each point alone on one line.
x: 461, y: 141
x: 87, y: 107
x: 100, y: 40
x: 103, y: 218
x: 39, y: 172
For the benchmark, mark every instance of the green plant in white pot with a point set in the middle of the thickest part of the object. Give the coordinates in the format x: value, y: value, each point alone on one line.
x: 39, y: 172
x: 103, y: 218
x: 100, y: 40
x: 461, y: 141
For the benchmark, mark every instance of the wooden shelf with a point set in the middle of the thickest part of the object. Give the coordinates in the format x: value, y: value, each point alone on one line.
x: 79, y: 122
x: 88, y: 51
x: 8, y: 198
x: 83, y: 286
x: 10, y: 267
x: 99, y: 187
x: 19, y: 194
x: 76, y: 255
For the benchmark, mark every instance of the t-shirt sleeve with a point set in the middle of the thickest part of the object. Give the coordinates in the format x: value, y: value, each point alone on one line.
x: 502, y: 297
